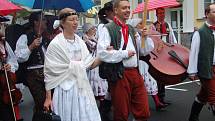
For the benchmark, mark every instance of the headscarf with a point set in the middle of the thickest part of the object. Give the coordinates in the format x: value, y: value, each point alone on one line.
x: 86, y: 27
x: 56, y: 24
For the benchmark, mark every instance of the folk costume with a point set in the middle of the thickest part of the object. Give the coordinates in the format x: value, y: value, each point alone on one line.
x: 149, y: 81
x: 167, y: 36
x: 128, y: 84
x: 165, y: 29
x: 33, y: 61
x: 5, y: 109
x: 65, y: 71
x: 201, y: 63
x: 105, y: 106
x: 98, y: 84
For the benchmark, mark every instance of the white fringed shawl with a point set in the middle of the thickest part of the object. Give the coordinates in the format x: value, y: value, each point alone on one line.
x: 59, y: 67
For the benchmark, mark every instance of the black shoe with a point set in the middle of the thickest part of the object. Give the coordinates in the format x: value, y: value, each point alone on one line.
x: 212, y: 109
x: 195, y: 111
x: 21, y: 119
x: 167, y: 103
x: 160, y: 107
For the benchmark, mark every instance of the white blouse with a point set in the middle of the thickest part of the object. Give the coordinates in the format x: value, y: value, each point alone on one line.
x: 11, y: 58
x: 22, y: 51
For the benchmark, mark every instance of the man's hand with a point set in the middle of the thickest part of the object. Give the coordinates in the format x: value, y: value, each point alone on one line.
x: 144, y: 31
x: 7, y: 67
x: 160, y: 46
x: 36, y: 43
x: 131, y: 53
x: 193, y: 77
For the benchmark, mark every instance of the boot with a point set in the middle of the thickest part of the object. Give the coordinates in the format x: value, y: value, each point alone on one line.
x: 105, y: 108
x: 159, y: 105
x: 195, y: 111
x: 212, y: 108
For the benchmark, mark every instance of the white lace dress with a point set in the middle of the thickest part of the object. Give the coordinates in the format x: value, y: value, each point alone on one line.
x: 149, y: 81
x: 68, y: 102
x: 99, y: 85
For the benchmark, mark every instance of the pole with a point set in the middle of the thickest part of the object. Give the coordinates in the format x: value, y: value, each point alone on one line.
x: 144, y: 21
x: 11, y: 100
x: 41, y: 19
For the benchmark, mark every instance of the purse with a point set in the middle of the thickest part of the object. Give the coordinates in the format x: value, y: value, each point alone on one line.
x: 45, y: 116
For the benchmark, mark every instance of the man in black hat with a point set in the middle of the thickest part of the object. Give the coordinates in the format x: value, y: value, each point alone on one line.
x: 30, y: 50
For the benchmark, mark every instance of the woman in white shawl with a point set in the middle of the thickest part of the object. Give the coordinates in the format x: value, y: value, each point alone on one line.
x: 66, y: 61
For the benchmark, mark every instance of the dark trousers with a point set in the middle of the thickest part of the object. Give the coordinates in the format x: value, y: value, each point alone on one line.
x: 129, y: 95
x: 206, y: 94
x: 6, y: 113
x: 36, y: 85
x: 161, y: 91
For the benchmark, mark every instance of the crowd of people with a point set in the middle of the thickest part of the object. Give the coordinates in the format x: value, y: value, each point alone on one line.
x: 88, y: 78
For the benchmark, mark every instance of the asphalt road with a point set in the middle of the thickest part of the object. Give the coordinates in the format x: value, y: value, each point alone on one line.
x: 181, y: 97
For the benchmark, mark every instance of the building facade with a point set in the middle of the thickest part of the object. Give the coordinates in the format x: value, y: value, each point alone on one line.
x: 183, y: 19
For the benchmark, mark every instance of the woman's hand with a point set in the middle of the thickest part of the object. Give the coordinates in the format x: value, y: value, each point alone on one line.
x: 48, y: 102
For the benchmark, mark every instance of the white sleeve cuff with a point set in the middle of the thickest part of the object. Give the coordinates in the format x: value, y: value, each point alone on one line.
x: 124, y: 54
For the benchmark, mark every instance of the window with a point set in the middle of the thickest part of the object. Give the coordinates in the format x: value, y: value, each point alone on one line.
x: 140, y: 1
x: 202, y: 4
x: 140, y: 15
x: 98, y: 7
x: 207, y: 2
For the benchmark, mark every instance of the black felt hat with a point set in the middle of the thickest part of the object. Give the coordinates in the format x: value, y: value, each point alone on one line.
x: 3, y: 19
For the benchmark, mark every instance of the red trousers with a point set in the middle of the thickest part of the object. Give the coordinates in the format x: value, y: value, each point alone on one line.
x: 129, y: 95
x: 207, y: 91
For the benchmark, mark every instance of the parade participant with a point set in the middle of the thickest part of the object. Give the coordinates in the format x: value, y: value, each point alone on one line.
x: 89, y: 36
x: 51, y: 30
x: 167, y: 36
x: 66, y: 62
x: 201, y: 64
x: 98, y: 84
x: 106, y: 15
x: 149, y: 81
x: 30, y: 49
x: 163, y: 27
x: 6, y: 54
x: 122, y: 72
